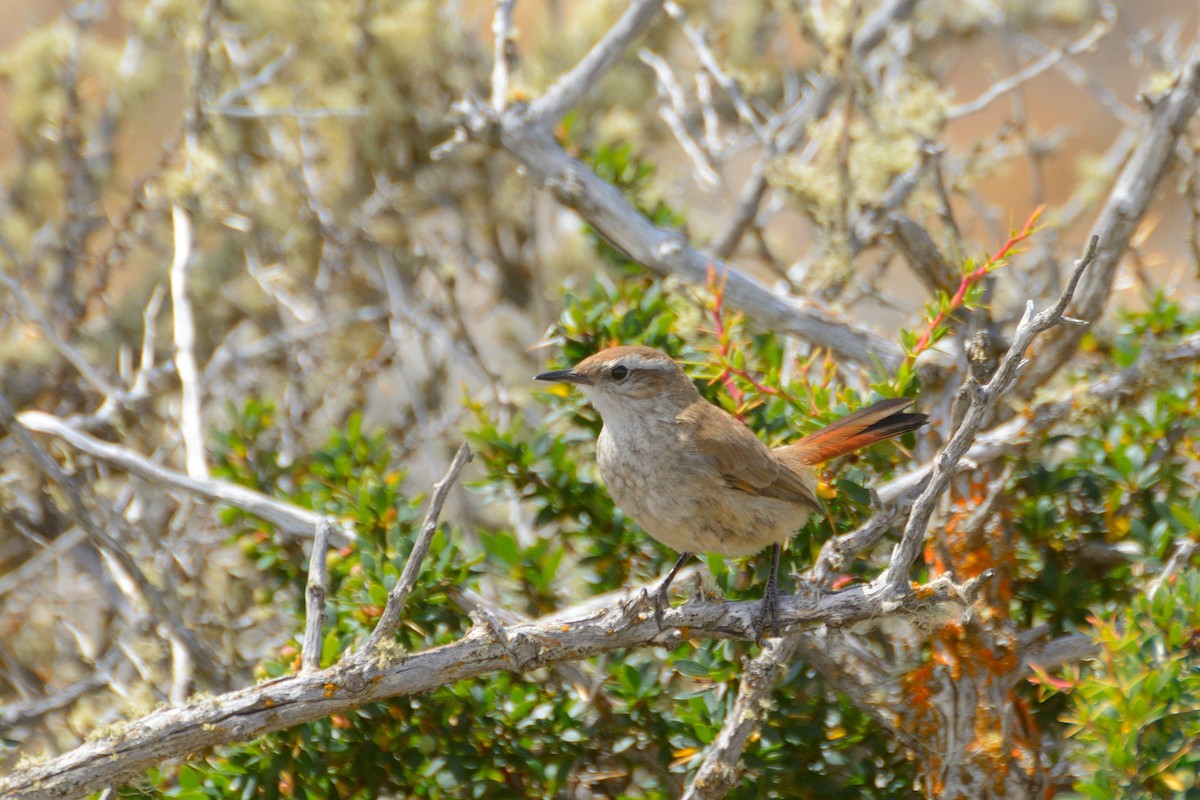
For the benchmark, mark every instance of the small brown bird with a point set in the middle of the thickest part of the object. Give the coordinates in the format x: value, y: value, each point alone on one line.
x: 698, y: 480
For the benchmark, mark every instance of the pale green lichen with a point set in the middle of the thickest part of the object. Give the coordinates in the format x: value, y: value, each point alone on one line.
x: 850, y: 163
x: 31, y: 760
x: 389, y: 654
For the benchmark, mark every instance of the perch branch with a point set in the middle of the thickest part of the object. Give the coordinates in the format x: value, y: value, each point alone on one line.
x: 285, y: 702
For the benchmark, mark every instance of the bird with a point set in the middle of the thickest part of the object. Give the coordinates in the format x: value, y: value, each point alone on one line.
x: 697, y: 479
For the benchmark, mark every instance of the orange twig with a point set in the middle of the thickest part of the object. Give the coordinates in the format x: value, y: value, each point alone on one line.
x: 973, y: 277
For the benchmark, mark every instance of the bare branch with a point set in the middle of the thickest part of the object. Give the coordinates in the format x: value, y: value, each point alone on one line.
x: 1126, y: 206
x: 283, y: 703
x: 1101, y: 28
x: 837, y: 553
x: 527, y: 134
x: 140, y: 388
x: 502, y: 43
x: 29, y: 311
x: 815, y: 106
x: 290, y: 519
x: 668, y: 253
x: 162, y: 610
x: 568, y: 90
x: 16, y: 714
x: 1181, y: 556
x: 389, y: 621
x: 672, y: 113
x: 922, y: 255
x: 721, y: 769
x: 1021, y: 430
x: 709, y: 62
x: 185, y: 347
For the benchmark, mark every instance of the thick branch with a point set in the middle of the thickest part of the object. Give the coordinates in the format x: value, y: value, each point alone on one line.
x: 668, y: 253
x: 527, y: 133
x: 247, y: 713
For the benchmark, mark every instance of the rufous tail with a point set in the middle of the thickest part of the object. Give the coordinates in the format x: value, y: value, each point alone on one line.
x: 863, y: 428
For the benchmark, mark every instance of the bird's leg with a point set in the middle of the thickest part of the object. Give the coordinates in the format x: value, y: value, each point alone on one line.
x: 661, y: 600
x: 770, y: 601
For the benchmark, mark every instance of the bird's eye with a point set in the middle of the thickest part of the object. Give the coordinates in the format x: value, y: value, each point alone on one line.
x: 620, y: 372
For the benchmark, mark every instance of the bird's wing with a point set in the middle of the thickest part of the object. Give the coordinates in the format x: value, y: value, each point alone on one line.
x: 737, y: 455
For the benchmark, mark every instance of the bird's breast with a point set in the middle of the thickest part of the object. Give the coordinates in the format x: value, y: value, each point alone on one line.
x: 679, y: 498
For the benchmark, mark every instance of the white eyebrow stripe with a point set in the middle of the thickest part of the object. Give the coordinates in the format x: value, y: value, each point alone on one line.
x: 640, y: 362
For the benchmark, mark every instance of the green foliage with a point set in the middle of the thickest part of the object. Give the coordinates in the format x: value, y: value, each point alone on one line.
x: 1112, y: 502
x: 1135, y: 712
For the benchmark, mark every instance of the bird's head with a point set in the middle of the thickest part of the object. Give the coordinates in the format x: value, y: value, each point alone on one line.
x: 631, y: 379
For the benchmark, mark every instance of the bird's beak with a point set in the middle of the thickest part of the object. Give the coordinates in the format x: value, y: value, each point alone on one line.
x: 565, y: 376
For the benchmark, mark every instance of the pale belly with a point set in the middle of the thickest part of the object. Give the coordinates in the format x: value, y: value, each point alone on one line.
x: 688, y: 507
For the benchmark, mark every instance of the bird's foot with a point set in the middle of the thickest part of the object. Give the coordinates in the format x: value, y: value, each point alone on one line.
x: 768, y: 607
x: 662, y: 602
